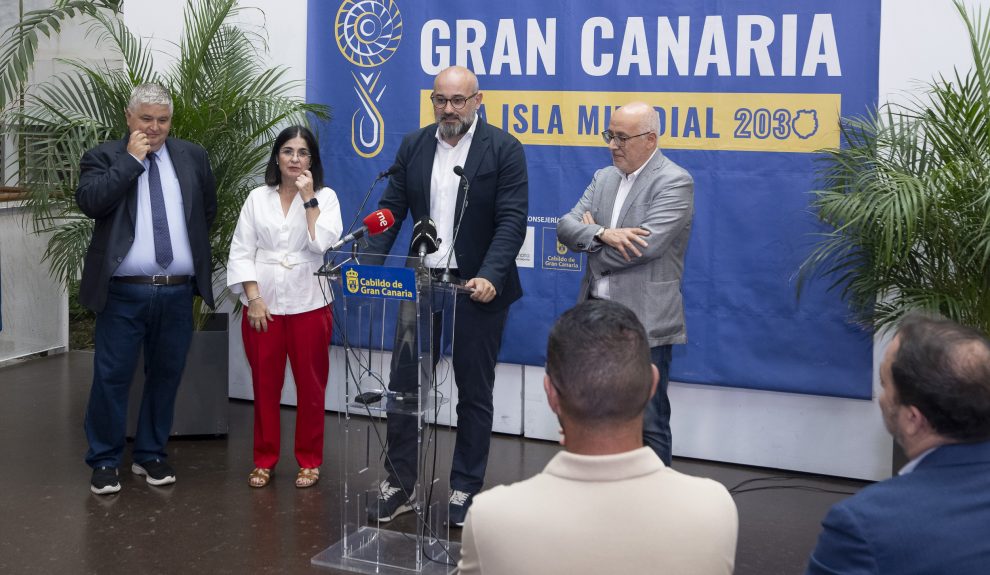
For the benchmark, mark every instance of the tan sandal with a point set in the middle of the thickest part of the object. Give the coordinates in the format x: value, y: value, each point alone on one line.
x: 307, y: 477
x: 259, y: 477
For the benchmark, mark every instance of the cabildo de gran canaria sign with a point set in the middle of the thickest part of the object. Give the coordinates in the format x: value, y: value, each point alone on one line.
x: 379, y: 281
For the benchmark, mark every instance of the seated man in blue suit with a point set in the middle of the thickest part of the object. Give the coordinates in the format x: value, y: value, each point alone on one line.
x: 934, y: 517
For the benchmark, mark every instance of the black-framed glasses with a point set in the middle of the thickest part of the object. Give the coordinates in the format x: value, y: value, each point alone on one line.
x: 289, y: 153
x: 440, y: 102
x: 609, y: 135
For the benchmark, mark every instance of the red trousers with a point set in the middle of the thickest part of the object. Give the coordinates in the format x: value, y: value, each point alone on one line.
x: 304, y: 340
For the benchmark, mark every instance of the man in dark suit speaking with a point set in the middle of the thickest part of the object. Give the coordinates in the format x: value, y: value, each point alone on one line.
x: 154, y: 201
x: 490, y: 232
x: 935, y: 515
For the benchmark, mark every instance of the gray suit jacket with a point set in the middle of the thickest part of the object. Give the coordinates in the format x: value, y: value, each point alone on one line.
x: 661, y: 201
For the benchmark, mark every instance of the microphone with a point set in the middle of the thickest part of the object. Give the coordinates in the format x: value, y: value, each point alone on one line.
x: 374, y: 223
x: 446, y: 277
x: 381, y: 176
x: 425, y: 237
x: 391, y: 170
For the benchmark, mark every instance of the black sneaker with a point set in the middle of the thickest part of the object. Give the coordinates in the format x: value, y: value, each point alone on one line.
x: 457, y: 507
x: 156, y: 471
x: 391, y: 502
x: 104, y: 481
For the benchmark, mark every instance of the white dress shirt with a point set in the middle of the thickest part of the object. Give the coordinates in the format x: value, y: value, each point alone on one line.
x: 600, y: 288
x: 444, y: 184
x: 140, y: 260
x: 277, y: 251
x: 910, y: 465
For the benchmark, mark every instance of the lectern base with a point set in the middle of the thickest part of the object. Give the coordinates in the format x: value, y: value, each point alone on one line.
x: 383, y: 552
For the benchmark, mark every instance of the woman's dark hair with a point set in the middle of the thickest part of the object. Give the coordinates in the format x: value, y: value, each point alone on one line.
x: 273, y: 176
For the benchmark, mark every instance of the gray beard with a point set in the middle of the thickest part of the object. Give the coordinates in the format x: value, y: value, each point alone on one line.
x: 448, y: 131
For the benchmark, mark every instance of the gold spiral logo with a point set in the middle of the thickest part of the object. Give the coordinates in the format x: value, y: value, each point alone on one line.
x: 368, y: 31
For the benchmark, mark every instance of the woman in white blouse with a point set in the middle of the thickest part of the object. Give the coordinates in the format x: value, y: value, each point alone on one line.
x: 284, y: 228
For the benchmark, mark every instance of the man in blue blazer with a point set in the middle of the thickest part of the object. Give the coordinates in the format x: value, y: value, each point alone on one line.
x: 634, y: 221
x: 489, y: 234
x: 154, y: 201
x: 934, y: 517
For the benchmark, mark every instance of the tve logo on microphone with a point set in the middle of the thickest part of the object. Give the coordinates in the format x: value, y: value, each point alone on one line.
x: 383, y: 222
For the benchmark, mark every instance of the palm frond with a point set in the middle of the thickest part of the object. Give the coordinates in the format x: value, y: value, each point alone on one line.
x: 224, y: 99
x: 907, y: 196
x: 19, y: 42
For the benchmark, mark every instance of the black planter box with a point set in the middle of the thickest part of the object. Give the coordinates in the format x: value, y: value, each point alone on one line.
x: 201, y: 406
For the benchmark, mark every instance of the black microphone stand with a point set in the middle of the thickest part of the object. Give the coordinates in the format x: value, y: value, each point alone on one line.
x: 447, y: 277
x: 367, y: 196
x: 330, y: 273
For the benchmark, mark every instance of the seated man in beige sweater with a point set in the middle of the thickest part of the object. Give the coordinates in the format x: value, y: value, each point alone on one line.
x: 606, y: 504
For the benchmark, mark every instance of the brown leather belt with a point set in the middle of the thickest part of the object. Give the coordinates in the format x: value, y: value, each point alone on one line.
x: 162, y: 280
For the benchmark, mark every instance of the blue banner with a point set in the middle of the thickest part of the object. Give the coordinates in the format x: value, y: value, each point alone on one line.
x: 746, y: 91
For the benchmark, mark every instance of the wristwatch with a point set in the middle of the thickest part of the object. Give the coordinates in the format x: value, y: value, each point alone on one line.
x: 599, y: 234
x: 311, y: 204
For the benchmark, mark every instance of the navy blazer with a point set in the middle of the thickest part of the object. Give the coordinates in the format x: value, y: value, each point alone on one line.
x: 494, y: 224
x: 107, y: 193
x: 934, y: 520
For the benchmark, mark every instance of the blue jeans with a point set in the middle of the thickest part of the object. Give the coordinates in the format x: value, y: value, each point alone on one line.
x: 656, y: 420
x: 160, y: 318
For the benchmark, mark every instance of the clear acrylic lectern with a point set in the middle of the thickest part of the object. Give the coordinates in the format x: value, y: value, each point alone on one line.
x: 399, y: 305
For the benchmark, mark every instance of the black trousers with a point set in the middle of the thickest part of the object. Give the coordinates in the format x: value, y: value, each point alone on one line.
x: 476, y: 343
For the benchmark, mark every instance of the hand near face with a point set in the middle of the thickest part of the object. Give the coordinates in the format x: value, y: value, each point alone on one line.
x: 138, y: 145
x: 304, y: 183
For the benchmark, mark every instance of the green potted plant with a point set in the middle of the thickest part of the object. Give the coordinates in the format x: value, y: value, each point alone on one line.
x: 224, y: 99
x: 908, y: 198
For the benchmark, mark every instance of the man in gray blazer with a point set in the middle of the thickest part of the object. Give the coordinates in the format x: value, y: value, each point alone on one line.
x: 634, y: 221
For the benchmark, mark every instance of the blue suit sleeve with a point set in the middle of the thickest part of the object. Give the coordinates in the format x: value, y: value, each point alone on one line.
x: 105, y: 180
x: 842, y: 546
x: 511, y: 207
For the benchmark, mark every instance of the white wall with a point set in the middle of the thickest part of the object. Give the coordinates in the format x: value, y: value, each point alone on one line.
x: 919, y: 38
x: 282, y: 24
x: 35, y: 308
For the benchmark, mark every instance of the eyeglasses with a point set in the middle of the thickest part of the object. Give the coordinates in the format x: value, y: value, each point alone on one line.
x: 440, y: 102
x: 620, y: 141
x: 289, y: 153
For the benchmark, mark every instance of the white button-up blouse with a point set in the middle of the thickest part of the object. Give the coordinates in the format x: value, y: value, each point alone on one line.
x: 277, y: 252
